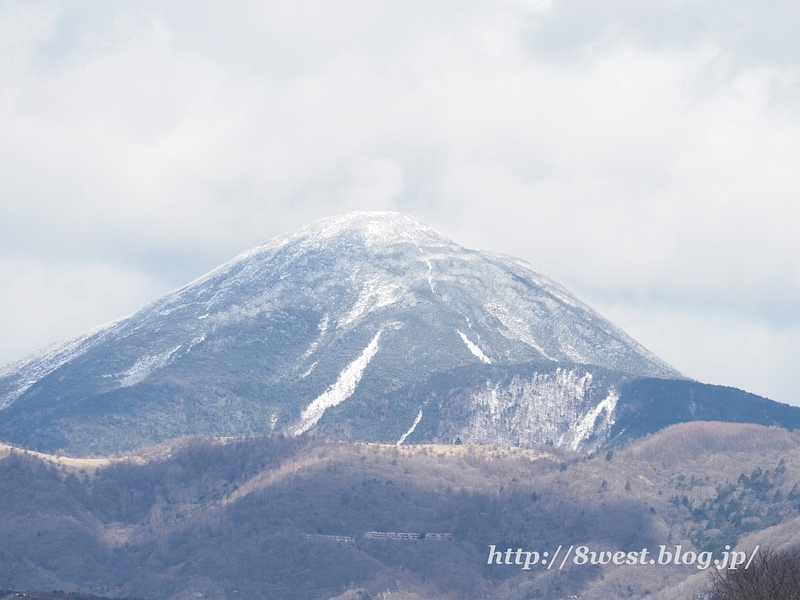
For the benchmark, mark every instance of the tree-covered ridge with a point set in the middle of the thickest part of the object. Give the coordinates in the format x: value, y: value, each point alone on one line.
x: 251, y: 517
x: 749, y: 504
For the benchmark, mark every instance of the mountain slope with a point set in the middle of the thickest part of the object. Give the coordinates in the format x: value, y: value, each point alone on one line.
x: 285, y: 518
x: 316, y: 330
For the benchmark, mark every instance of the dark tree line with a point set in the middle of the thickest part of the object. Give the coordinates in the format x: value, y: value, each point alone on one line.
x: 772, y: 575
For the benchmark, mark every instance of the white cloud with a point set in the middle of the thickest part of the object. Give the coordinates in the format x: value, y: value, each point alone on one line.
x: 718, y: 347
x: 642, y: 153
x: 48, y: 302
x: 375, y: 184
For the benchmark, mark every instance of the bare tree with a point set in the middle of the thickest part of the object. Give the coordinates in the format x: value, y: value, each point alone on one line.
x: 772, y: 575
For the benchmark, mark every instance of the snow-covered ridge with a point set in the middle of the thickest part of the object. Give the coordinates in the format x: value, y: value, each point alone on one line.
x: 375, y: 228
x: 21, y: 374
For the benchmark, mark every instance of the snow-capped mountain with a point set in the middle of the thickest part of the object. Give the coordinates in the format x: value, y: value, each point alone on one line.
x: 335, y: 328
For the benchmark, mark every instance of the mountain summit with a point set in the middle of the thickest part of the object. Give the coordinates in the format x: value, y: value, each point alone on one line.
x: 367, y: 325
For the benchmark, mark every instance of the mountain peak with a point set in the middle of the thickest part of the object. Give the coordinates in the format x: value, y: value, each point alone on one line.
x: 376, y: 227
x: 367, y: 229
x: 373, y: 228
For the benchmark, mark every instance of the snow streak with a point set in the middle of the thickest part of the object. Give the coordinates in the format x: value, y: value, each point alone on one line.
x: 339, y: 391
x: 518, y: 328
x: 146, y: 365
x: 474, y: 349
x: 411, y: 430
x: 427, y: 262
x: 586, y: 427
x: 374, y: 295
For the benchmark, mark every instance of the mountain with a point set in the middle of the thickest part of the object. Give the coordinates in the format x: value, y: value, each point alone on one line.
x: 365, y: 326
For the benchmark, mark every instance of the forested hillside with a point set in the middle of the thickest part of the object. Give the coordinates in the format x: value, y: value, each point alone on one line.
x: 274, y: 517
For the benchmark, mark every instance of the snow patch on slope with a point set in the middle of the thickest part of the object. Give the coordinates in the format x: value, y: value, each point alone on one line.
x: 553, y: 407
x: 146, y: 365
x: 373, y: 296
x: 427, y: 262
x: 516, y: 327
x: 340, y: 391
x: 474, y: 349
x: 588, y: 425
x: 200, y: 338
x: 323, y: 328
x: 309, y: 370
x: 411, y: 429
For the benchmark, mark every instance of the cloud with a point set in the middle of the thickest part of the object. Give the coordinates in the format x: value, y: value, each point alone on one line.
x: 718, y: 347
x: 642, y: 154
x: 48, y: 302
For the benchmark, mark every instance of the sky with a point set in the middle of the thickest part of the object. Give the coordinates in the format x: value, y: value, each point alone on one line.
x: 643, y: 154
